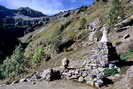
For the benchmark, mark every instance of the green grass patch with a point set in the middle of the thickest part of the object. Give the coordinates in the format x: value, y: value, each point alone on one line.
x: 38, y: 55
x: 110, y: 72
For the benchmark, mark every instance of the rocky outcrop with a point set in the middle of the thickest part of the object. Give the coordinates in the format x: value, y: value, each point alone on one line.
x: 128, y: 21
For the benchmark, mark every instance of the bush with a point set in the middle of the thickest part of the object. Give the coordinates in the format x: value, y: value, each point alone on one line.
x: 13, y: 65
x: 38, y: 55
x: 82, y: 23
x: 116, y: 12
x: 110, y: 72
x: 65, y: 25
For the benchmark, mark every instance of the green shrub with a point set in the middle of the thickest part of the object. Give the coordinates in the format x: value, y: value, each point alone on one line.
x: 38, y: 55
x: 63, y: 26
x: 110, y: 72
x: 82, y: 23
x: 13, y: 65
x: 116, y: 12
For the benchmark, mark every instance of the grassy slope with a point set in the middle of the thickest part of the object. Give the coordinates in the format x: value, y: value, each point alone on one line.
x: 53, y: 33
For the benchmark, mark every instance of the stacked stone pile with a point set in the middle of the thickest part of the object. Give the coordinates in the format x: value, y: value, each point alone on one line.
x: 96, y: 64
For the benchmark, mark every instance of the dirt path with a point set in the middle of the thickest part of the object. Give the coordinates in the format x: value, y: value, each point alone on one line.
x: 60, y: 84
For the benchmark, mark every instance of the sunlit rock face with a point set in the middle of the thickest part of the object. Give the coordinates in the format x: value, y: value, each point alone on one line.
x: 104, y: 37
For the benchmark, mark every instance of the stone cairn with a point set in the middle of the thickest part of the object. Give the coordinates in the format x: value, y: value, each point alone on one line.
x: 92, y: 71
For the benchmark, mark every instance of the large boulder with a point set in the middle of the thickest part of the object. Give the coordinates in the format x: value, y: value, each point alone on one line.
x: 127, y: 21
x: 47, y: 74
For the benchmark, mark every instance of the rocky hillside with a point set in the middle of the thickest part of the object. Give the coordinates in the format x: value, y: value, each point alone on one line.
x: 15, y: 23
x: 75, y: 35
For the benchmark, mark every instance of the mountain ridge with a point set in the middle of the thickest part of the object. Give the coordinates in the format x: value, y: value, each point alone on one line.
x: 26, y: 11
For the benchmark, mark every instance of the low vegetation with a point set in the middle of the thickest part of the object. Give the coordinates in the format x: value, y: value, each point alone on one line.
x: 116, y: 12
x: 38, y: 56
x: 13, y: 65
x: 110, y: 72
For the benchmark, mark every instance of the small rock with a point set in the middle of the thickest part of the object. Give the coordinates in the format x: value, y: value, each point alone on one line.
x: 90, y: 83
x: 2, y: 85
x: 69, y: 74
x: 33, y: 78
x: 33, y: 83
x: 111, y: 66
x: 65, y: 63
x: 88, y: 78
x: 126, y: 36
x: 74, y: 76
x: 81, y: 79
x: 23, y: 80
x: 98, y: 83
x: 14, y: 82
x: 118, y: 69
x: 84, y: 74
x: 76, y: 71
x: 101, y: 69
x: 117, y: 75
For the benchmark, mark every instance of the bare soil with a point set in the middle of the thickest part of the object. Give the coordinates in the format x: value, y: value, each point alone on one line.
x: 59, y: 84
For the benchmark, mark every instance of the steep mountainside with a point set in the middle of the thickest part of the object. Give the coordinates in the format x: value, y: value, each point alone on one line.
x: 74, y: 35
x: 15, y: 23
x: 65, y: 35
